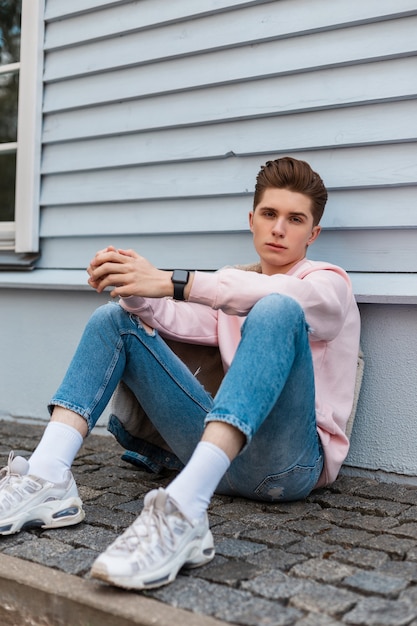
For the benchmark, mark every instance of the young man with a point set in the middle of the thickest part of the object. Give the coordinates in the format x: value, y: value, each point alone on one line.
x: 288, y: 334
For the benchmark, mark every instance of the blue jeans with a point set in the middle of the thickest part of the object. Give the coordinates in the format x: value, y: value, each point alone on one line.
x: 268, y: 394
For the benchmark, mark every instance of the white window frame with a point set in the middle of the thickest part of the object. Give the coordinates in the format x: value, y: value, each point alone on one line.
x: 22, y: 235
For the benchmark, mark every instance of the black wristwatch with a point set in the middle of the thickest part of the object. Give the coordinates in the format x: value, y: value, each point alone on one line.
x: 180, y: 278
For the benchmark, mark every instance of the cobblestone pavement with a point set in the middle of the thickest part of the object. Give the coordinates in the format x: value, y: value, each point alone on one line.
x: 346, y: 555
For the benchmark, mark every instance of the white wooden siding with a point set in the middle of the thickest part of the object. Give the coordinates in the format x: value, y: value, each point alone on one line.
x: 158, y: 115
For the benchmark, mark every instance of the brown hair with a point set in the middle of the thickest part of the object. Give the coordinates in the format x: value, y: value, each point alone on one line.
x: 295, y: 175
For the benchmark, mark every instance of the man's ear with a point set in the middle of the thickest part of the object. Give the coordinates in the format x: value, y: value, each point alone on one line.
x: 314, y: 234
x: 251, y: 220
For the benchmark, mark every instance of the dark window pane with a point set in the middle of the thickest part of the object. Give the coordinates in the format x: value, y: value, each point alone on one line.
x: 9, y: 85
x: 10, y: 17
x: 7, y: 186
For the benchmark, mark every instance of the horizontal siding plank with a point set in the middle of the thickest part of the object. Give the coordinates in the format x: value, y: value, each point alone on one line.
x: 368, y: 251
x: 265, y: 20
x: 339, y: 87
x: 348, y: 45
x: 387, y: 165
x: 376, y: 251
x: 391, y: 207
x: 198, y: 251
x: 352, y: 126
x: 188, y: 215
x: 150, y: 10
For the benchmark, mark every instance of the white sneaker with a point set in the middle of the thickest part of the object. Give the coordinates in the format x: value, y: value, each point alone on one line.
x: 153, y: 549
x: 28, y: 501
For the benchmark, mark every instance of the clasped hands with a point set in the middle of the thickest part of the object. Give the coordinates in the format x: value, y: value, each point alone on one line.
x: 129, y: 274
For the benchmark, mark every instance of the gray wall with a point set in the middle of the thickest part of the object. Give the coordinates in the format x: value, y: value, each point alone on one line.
x: 384, y: 433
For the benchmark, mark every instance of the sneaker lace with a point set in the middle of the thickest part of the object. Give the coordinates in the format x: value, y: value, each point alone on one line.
x: 154, y: 533
x: 13, y: 485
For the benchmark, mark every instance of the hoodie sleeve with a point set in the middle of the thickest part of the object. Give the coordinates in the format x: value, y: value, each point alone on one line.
x: 183, y: 321
x: 324, y: 292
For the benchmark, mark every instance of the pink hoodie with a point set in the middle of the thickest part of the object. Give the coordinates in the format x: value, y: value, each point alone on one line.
x: 215, y: 312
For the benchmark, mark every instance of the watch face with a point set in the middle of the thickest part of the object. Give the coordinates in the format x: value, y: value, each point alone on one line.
x: 180, y: 276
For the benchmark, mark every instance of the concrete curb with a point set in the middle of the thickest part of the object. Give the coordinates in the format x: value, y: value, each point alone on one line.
x: 40, y: 596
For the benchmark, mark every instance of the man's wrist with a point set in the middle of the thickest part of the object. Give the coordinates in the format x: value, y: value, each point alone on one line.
x: 179, y: 279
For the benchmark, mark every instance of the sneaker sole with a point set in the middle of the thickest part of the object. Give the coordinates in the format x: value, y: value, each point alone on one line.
x: 197, y: 554
x: 52, y: 514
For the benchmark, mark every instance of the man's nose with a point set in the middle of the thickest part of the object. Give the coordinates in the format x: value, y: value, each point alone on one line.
x: 279, y: 227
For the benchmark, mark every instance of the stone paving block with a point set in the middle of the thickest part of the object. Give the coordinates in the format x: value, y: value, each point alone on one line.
x: 326, y: 599
x: 376, y: 583
x: 411, y: 554
x: 77, y: 562
x: 405, y: 530
x: 281, y: 538
x: 274, y: 585
x: 409, y: 515
x: 102, y: 481
x: 133, y: 506
x: 238, y: 548
x: 226, y: 571
x: 362, y: 505
x: 111, y: 500
x: 267, y: 520
x: 275, y: 558
x: 9, y: 541
x: 309, y: 526
x: 409, y: 595
x: 370, y: 522
x: 360, y: 557
x: 318, y: 619
x: 349, y: 484
x: 236, y: 509
x: 233, y: 528
x: 397, y: 547
x: 346, y: 536
x: 310, y: 547
x: 134, y: 490
x: 387, y: 491
x: 401, y: 569
x: 87, y: 493
x: 381, y: 612
x: 42, y: 551
x: 225, y: 603
x: 325, y: 571
x: 83, y: 536
x: 335, y: 516
x: 113, y: 520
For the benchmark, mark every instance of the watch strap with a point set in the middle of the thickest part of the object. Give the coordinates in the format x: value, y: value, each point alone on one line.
x: 179, y: 279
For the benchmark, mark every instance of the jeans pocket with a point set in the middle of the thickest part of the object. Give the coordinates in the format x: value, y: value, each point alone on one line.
x: 293, y: 484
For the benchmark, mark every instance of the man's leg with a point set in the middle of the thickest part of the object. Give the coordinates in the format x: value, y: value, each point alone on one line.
x: 274, y: 406
x: 114, y: 344
x: 266, y: 405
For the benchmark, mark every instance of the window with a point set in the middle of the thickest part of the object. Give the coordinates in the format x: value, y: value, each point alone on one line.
x: 21, y: 42
x: 10, y: 20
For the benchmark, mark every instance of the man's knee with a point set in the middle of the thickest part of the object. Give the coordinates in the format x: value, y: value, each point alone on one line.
x: 277, y: 304
x: 111, y: 313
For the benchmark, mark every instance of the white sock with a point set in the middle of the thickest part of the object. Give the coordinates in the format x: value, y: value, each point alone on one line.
x: 55, y: 452
x: 194, y: 486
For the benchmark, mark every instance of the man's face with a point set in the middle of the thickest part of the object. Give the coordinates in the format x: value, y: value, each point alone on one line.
x: 282, y: 227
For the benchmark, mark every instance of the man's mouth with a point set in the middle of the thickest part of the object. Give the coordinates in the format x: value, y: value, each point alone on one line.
x: 276, y: 246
